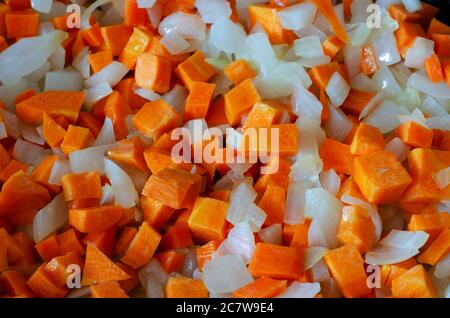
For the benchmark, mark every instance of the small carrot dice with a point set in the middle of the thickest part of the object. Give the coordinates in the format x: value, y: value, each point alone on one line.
x: 76, y: 138
x: 153, y: 73
x: 415, y: 135
x: 414, y: 283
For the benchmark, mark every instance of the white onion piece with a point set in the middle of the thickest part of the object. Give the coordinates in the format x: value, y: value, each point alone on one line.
x: 96, y: 93
x: 43, y: 6
x: 124, y: 190
x: 240, y: 242
x: 294, y: 210
x: 85, y: 23
x: 58, y: 9
x: 385, y: 46
x: 12, y: 123
x: 398, y: 148
x: 89, y: 159
x: 412, y: 5
x: 82, y: 292
x: 50, y: 218
x: 359, y: 11
x: 311, y: 30
x: 352, y: 60
x: 359, y: 35
x: 325, y: 211
x: 30, y: 133
x: 46, y: 27
x: 153, y: 277
x: 371, y: 105
x: 312, y: 256
x: 155, y: 14
x: 297, y: 16
x: 174, y: 43
x: 417, y: 54
x: 106, y: 135
x: 337, y: 89
x: 64, y: 80
x: 339, y: 125
x: 272, y: 234
x: 439, y: 122
x: 17, y: 62
x: 384, y: 117
x: 147, y: 94
x: 144, y: 4
x: 255, y: 217
x: 301, y: 290
x: 442, y: 178
x: 396, y: 247
x: 111, y: 74
x: 225, y: 274
x: 309, y: 46
x: 262, y: 52
x: 314, y: 61
x: 228, y: 36
x: 330, y: 181
x: 176, y: 97
x: 40, y: 73
x: 305, y: 104
x: 240, y: 199
x: 60, y: 168
x: 107, y: 195
x: 442, y: 269
x: 81, y: 63
x: 385, y: 81
x: 363, y: 83
x: 29, y: 153
x: 432, y: 108
x: 212, y: 10
x: 58, y: 59
x: 189, y: 26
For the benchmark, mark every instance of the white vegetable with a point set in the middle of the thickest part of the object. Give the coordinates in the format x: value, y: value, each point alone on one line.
x: 228, y: 36
x: 297, y: 16
x: 29, y: 153
x: 176, y: 97
x: 241, y: 198
x: 31, y: 134
x: 442, y: 269
x: 225, y: 274
x: 386, y: 81
x: 96, y: 93
x: 338, y: 126
x: 385, y: 46
x: 294, y: 210
x: 240, y: 242
x: 147, y: 94
x: 155, y: 14
x: 301, y: 290
x: 398, y: 148
x: 305, y: 104
x: 58, y: 59
x: 415, y: 56
x: 442, y: 178
x: 12, y: 124
x: 352, y: 60
x: 89, y: 159
x: 60, y: 168
x: 111, y: 74
x: 312, y: 256
x: 3, y: 133
x: 153, y: 277
x: 107, y: 195
x: 272, y: 234
x: 432, y: 108
x: 40, y: 73
x: 50, y: 218
x: 189, y: 26
x: 262, y: 52
x: 319, y: 272
x: 64, y: 80
x: 337, y: 89
x: 359, y: 35
x: 144, y: 4
x: 309, y: 46
x: 124, y: 190
x: 106, y: 135
x: 396, y: 247
x: 174, y: 43
x: 85, y: 23
x: 330, y: 181
x: 311, y: 30
x: 438, y: 122
x: 43, y: 6
x: 212, y: 10
x: 81, y: 63
x: 384, y: 117
x: 412, y: 5
x: 17, y: 62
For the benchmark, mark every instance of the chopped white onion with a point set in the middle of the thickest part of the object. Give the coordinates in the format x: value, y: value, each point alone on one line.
x: 308, y: 47
x: 89, y: 159
x: 111, y: 74
x: 96, y: 93
x: 58, y: 59
x: 384, y: 117
x: 240, y: 242
x: 301, y: 290
x: 272, y: 234
x: 147, y: 94
x: 60, y: 168
x: 155, y: 14
x: 297, y: 16
x: 312, y: 256
x: 81, y: 63
x: 294, y: 210
x: 189, y: 26
x: 176, y: 97
x: 352, y: 60
x: 398, y: 148
x: 385, y: 46
x: 107, y: 195
x: 305, y: 104
x: 174, y: 43
x: 153, y: 277
x: 337, y: 89
x: 442, y: 269
x: 241, y: 198
x: 50, y: 218
x: 3, y: 132
x: 64, y: 80
x: 432, y: 108
x: 442, y: 178
x: 106, y: 135
x: 29, y: 153
x: 417, y: 54
x: 228, y: 36
x: 262, y: 52
x: 359, y: 35
x: 439, y: 122
x: 43, y: 6
x: 412, y: 5
x: 124, y: 190
x: 40, y: 73
x: 212, y: 10
x: 319, y: 272
x: 339, y: 125
x: 12, y: 123
x: 144, y: 4
x: 330, y: 181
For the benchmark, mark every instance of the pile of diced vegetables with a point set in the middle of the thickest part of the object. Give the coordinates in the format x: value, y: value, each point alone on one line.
x: 93, y: 203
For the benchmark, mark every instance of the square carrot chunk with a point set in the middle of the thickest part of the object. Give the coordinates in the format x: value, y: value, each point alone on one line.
x: 240, y: 100
x: 21, y: 24
x: 414, y: 283
x: 198, y: 101
x: 184, y: 287
x: 195, y: 69
x: 76, y: 138
x: 153, y: 73
x: 381, y: 177
x: 367, y: 140
x: 415, y: 135
x: 238, y: 71
x: 207, y: 221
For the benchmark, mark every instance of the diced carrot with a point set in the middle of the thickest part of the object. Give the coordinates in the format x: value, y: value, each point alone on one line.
x: 205, y: 253
x: 198, y: 101
x: 332, y: 46
x: 12, y: 168
x: 321, y: 74
x: 100, y: 59
x: 52, y: 132
x: 195, y: 69
x: 54, y: 103
x: 240, y: 100
x: 26, y: 244
x: 433, y: 224
x: 48, y: 248
x: 441, y: 44
x: 279, y: 178
x: 57, y: 268
x: 15, y: 284
x: 414, y: 283
x: 326, y: 8
x: 392, y: 271
x: 20, y: 24
x: 137, y: 44
x: 76, y: 138
x: 104, y: 240
x: 406, y: 34
x: 415, y: 135
x: 126, y: 88
x: 184, y: 287
x: 223, y: 195
x: 276, y: 262
x: 207, y: 221
x: 110, y: 289
x: 356, y: 101
x: 117, y: 110
x: 98, y: 268
x: 124, y: 240
x: 238, y: 71
x: 60, y: 23
x: 14, y: 251
x: 42, y: 172
x: 128, y: 284
x: 155, y: 212
x: 87, y: 120
x: 272, y: 202
x: 17, y: 5
x: 81, y: 186
x: 95, y: 219
x: 115, y: 37
x: 356, y: 228
x: 69, y: 241
x: 433, y: 68
x: 174, y: 187
x: 176, y: 236
x: 438, y: 27
x: 156, y: 118
x: 265, y: 114
x: 347, y: 267
x: 129, y: 152
x: 134, y: 15
x: 172, y: 261
x: 336, y: 156
x: 437, y: 249
x: 263, y: 287
x: 92, y: 36
x: 153, y: 73
x: 367, y: 140
x: 24, y: 95
x: 41, y: 285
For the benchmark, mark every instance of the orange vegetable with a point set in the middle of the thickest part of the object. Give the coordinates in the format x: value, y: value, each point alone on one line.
x: 20, y: 24
x: 321, y: 74
x: 441, y: 44
x: 123, y: 240
x: 24, y: 95
x: 81, y: 186
x: 174, y: 187
x: 142, y: 247
x: 48, y: 248
x: 369, y: 61
x: 109, y: 289
x: 128, y: 284
x: 207, y: 221
x: 439, y: 27
x: 155, y: 212
x: 398, y: 12
x: 414, y: 283
x: 92, y: 36
x: 381, y: 177
x: 183, y: 287
x: 41, y: 285
x: 42, y: 172
x: 156, y: 118
x: 356, y: 101
x: 69, y: 241
x: 336, y: 156
x: 332, y: 46
x: 76, y: 138
x: 205, y: 253
x: 433, y: 224
x: 98, y: 268
x: 117, y: 110
x: 261, y: 288
x: 406, y: 35
x: 12, y: 168
x: 267, y: 113
x: 100, y: 59
x: 87, y: 120
x: 96, y: 219
x: 171, y: 261
x: 176, y: 236
x: 198, y: 101
x: 299, y: 237
x: 134, y: 15
x: 367, y: 140
x: 15, y: 284
x: 347, y: 267
x: 433, y: 68
x: 57, y: 268
x: 240, y: 100
x: 437, y: 249
x: 272, y: 202
x: 52, y: 132
x: 153, y: 73
x: 415, y: 135
x: 104, y: 240
x: 238, y: 71
x: 276, y: 262
x: 115, y: 37
x: 137, y: 44
x: 126, y: 88
x: 195, y: 69
x: 54, y: 103
x: 14, y: 250
x: 26, y: 245
x: 326, y: 8
x: 392, y: 271
x: 129, y: 152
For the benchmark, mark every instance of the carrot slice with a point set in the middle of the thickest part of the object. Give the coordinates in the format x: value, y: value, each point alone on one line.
x: 207, y: 220
x: 433, y: 68
x: 81, y: 186
x: 184, y: 287
x: 262, y: 288
x: 414, y: 283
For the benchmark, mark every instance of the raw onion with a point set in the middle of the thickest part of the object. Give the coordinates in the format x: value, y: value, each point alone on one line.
x: 60, y: 168
x: 313, y: 255
x: 308, y: 47
x: 89, y: 159
x: 301, y: 290
x: 111, y: 74
x: 189, y: 26
x: 106, y: 135
x: 228, y: 36
x: 43, y: 6
x: 330, y: 181
x: 442, y: 269
x: 29, y: 153
x: 337, y: 89
x: 125, y: 193
x: 212, y: 10
x: 272, y: 234
x: 50, y: 218
x: 442, y: 178
x: 297, y: 16
x: 398, y: 148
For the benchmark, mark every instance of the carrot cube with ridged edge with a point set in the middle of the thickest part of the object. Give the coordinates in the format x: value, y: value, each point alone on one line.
x: 276, y: 261
x: 109, y: 289
x: 43, y: 286
x: 174, y: 187
x: 115, y: 37
x: 208, y: 219
x: 356, y: 227
x: 198, y: 101
x: 415, y: 135
x: 95, y: 219
x: 266, y: 113
x: 272, y: 202
x: 389, y: 272
x: 381, y: 177
x: 367, y: 140
x: 81, y: 186
x: 437, y: 249
x: 195, y: 69
x: 76, y: 138
x: 153, y: 73
x: 337, y: 156
x: 142, y: 247
x: 238, y: 71
x: 263, y: 287
x: 156, y: 118
x: 433, y: 224
x: 155, y: 212
x: 171, y: 261
x: 184, y: 287
x: 347, y: 267
x: 240, y: 100
x: 100, y: 60
x: 414, y: 283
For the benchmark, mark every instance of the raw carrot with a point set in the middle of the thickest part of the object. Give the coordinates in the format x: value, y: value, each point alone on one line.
x: 104, y: 240
x: 153, y: 73
x: 414, y: 283
x: 356, y: 101
x: 238, y: 71
x: 240, y: 100
x: 437, y: 249
x: 392, y: 271
x: 332, y: 46
x: 172, y: 261
x: 205, y: 253
x: 123, y: 240
x: 406, y: 35
x: 336, y: 156
x: 129, y: 152
x: 433, y: 224
x: 267, y: 113
x: 128, y: 284
x: 134, y: 15
x: 399, y: 13
x: 20, y: 24
x: 81, y: 186
x: 272, y: 202
x: 117, y: 110
x: 76, y: 138
x: 109, y: 289
x: 95, y: 219
x: 299, y: 237
x: 441, y: 44
x: 137, y: 44
x: 12, y: 168
x: 369, y: 60
x: 52, y: 132
x: 100, y: 59
x: 207, y: 221
x: 92, y: 36
x: 198, y: 101
x: 48, y: 248
x: 415, y: 135
x: 58, y: 268
x: 69, y: 241
x: 263, y: 287
x: 155, y: 212
x: 367, y: 140
x: 24, y: 95
x: 41, y: 285
x: 176, y: 236
x: 433, y: 68
x: 126, y: 88
x: 439, y: 27
x: 15, y: 284
x: 194, y: 69
x: 87, y: 120
x: 326, y: 8
x: 115, y: 37
x: 184, y: 287
x: 17, y: 5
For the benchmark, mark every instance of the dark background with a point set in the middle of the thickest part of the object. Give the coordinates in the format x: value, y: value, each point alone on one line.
x: 444, y: 13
